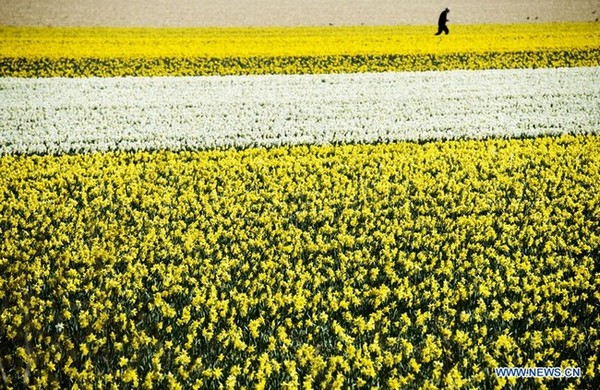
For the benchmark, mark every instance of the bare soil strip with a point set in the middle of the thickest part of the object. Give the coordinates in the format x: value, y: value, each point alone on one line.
x: 224, y: 13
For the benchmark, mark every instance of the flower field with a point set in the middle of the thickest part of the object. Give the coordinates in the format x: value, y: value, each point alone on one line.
x: 291, y: 217
x: 60, y: 115
x: 76, y: 52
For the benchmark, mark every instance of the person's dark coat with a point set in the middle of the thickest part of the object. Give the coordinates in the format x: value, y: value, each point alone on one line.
x: 442, y: 22
x: 443, y: 18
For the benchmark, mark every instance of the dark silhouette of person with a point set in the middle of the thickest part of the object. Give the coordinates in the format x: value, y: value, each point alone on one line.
x: 442, y: 22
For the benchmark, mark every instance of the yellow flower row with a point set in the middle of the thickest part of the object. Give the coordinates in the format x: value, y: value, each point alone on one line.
x: 334, y: 266
x: 201, y: 66
x: 115, y: 42
x: 31, y: 52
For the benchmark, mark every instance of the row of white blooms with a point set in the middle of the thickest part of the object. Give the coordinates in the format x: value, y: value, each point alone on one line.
x: 89, y: 114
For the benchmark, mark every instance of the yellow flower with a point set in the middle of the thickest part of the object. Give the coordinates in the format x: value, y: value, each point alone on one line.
x: 254, y: 325
x: 130, y: 376
x: 414, y: 365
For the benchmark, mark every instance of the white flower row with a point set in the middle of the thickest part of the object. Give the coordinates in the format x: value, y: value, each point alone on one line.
x: 90, y: 114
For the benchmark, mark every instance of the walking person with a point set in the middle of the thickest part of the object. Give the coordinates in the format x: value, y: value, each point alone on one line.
x: 442, y: 22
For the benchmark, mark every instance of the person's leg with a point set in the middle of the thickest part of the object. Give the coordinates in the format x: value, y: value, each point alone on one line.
x: 446, y: 30
x: 439, y: 31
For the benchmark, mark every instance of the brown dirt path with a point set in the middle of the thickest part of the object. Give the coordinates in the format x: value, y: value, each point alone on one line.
x: 223, y: 13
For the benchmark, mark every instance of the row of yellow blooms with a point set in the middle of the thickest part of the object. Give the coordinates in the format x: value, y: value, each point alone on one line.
x: 334, y: 266
x: 76, y: 52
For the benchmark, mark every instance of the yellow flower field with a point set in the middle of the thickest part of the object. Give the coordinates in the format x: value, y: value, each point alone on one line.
x: 291, y: 41
x: 409, y: 264
x: 69, y: 52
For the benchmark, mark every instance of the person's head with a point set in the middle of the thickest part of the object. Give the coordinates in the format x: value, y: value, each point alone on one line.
x: 447, y: 9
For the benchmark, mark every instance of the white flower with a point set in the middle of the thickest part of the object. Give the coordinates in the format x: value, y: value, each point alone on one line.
x: 58, y: 114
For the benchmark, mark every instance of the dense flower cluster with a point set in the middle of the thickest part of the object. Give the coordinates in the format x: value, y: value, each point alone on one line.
x: 290, y: 41
x: 204, y: 66
x: 99, y: 114
x: 71, y: 52
x: 330, y: 266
